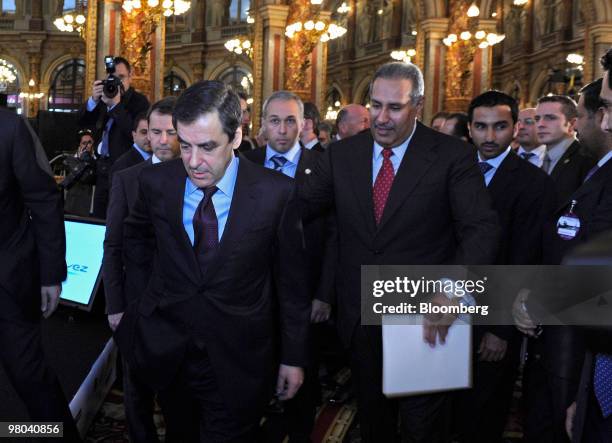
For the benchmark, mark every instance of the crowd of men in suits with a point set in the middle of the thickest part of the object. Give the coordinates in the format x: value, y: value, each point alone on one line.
x: 222, y: 262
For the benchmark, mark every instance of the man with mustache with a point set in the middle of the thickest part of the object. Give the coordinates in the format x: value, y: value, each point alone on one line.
x: 226, y: 312
x: 523, y: 197
x: 402, y: 194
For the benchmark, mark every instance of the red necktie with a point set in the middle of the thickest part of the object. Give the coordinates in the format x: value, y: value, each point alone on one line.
x: 382, y: 185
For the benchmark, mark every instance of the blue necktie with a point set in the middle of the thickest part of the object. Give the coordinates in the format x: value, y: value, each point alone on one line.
x: 104, y: 149
x: 278, y: 161
x: 592, y: 171
x: 484, y: 167
x: 527, y: 155
x: 603, y: 383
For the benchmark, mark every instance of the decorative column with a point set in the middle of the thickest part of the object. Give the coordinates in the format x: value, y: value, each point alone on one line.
x: 431, y: 58
x: 598, y: 39
x: 103, y: 37
x: 269, y: 56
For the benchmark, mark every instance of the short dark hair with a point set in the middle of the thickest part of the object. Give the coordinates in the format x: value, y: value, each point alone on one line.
x: 568, y: 106
x: 209, y: 96
x: 461, y: 128
x: 324, y: 126
x: 165, y: 106
x: 441, y: 114
x: 493, y: 98
x: 606, y: 63
x: 124, y: 61
x: 139, y: 117
x: 311, y: 112
x: 592, y: 100
x: 242, y: 95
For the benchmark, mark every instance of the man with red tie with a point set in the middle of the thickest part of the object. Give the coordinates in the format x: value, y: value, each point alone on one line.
x: 403, y: 194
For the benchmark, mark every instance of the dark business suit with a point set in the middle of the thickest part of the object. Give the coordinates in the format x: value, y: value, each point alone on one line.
x: 524, y: 198
x: 227, y: 318
x: 119, y: 140
x: 318, y: 147
x: 437, y: 212
x: 569, y: 172
x: 32, y: 254
x: 559, y: 352
x: 300, y: 411
x: 128, y: 159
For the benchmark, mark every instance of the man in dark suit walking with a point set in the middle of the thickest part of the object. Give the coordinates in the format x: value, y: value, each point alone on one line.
x: 555, y: 371
x: 32, y: 253
x: 564, y: 160
x: 309, y: 135
x: 113, y: 118
x: 283, y: 118
x: 141, y: 148
x: 228, y: 289
x: 120, y: 286
x: 524, y: 198
x: 404, y: 194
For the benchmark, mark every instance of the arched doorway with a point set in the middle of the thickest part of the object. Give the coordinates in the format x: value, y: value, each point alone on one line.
x: 174, y: 84
x: 67, y: 90
x: 239, y: 79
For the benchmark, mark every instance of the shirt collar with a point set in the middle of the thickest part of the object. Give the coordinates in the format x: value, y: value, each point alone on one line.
x: 539, y: 151
x: 556, y: 152
x: 226, y: 184
x: 399, y: 150
x: 146, y: 155
x: 155, y: 160
x: 495, y: 162
x: 311, y: 143
x: 604, y: 159
x: 290, y: 155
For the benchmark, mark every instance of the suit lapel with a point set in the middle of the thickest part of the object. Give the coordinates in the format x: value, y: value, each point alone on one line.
x: 505, y: 175
x: 175, y: 189
x: 305, y: 163
x: 361, y: 171
x: 416, y: 162
x: 565, y: 160
x: 590, y: 185
x: 240, y: 216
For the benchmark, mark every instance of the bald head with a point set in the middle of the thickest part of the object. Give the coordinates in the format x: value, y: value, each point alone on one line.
x: 352, y: 119
x: 527, y: 135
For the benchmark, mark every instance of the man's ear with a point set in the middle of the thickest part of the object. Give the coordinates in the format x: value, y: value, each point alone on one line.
x: 237, y: 138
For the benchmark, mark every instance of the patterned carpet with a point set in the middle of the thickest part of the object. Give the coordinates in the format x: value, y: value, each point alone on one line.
x: 334, y: 422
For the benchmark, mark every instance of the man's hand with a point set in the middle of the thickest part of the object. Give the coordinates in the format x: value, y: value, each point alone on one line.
x: 569, y: 419
x: 290, y: 378
x: 114, y: 319
x: 97, y: 90
x: 110, y: 102
x: 49, y: 299
x: 320, y: 311
x: 522, y: 320
x: 492, y: 348
x: 435, y: 326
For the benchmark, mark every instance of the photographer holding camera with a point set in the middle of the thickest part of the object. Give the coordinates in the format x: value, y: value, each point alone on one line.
x: 110, y: 110
x: 80, y: 176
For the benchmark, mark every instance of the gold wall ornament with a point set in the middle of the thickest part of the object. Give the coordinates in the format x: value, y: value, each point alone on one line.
x: 306, y: 28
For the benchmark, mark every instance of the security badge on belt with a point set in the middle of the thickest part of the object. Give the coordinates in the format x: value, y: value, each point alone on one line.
x: 568, y: 224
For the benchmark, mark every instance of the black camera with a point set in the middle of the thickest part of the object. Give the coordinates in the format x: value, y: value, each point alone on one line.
x: 112, y: 85
x: 81, y: 169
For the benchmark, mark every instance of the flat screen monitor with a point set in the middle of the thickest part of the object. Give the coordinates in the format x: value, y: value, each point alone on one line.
x: 84, y: 251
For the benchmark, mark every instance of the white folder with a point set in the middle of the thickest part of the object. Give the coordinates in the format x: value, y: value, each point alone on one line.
x: 411, y: 366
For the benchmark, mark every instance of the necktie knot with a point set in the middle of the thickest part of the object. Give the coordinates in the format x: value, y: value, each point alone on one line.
x: 278, y: 161
x: 387, y: 153
x: 527, y: 155
x: 209, y: 192
x: 484, y: 167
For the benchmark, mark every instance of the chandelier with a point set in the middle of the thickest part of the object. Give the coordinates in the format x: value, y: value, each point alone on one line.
x: 472, y: 34
x: 403, y: 55
x: 32, y: 95
x: 316, y: 28
x: 73, y: 21
x: 167, y: 8
x: 239, y: 45
x: 7, y: 74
